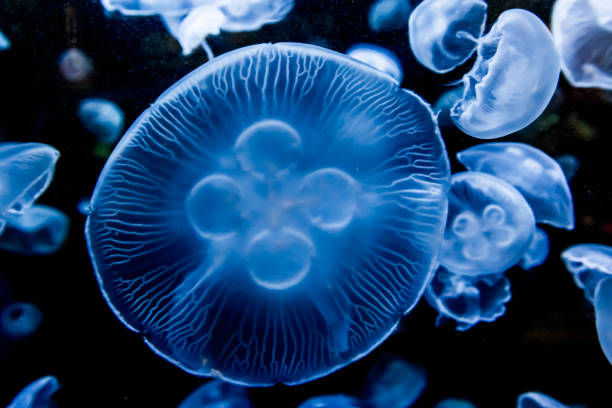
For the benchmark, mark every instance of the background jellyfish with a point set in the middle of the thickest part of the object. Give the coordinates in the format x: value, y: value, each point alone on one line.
x: 589, y: 264
x: 40, y: 230
x: 20, y: 319
x: 537, y: 253
x: 468, y: 300
x: 513, y: 79
x: 536, y: 399
x: 443, y: 34
x: 536, y: 175
x: 378, y: 57
x: 603, y: 316
x: 5, y: 43
x: 582, y: 30
x: 150, y: 7
x: 388, y: 14
x: 37, y: 394
x: 394, y: 383
x: 569, y: 164
x: 217, y: 393
x: 333, y: 401
x: 489, y: 226
x: 307, y: 185
x: 101, y: 117
x: 74, y: 65
x: 444, y: 104
x: 454, y: 403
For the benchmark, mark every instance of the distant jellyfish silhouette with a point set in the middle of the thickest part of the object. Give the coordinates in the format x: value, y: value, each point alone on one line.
x: 468, y: 300
x: 536, y: 399
x: 394, y: 383
x: 536, y: 175
x: 74, y: 65
x: 386, y: 15
x: 20, y: 319
x: 537, y: 253
x: 603, y: 316
x: 282, y: 193
x: 83, y: 206
x: 333, y: 401
x: 443, y: 34
x: 589, y: 264
x: 569, y: 164
x: 5, y: 43
x: 217, y: 393
x: 444, y: 104
x: 514, y: 77
x: 40, y: 230
x: 454, y: 403
x: 379, y: 57
x: 489, y: 226
x: 101, y: 117
x: 37, y: 394
x: 582, y: 30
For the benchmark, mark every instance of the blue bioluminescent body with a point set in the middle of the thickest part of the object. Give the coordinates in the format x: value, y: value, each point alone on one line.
x: 443, y: 34
x: 537, y: 253
x: 39, y: 230
x: 582, y: 30
x: 217, y: 393
x: 536, y: 399
x: 603, y: 315
x: 589, y: 264
x: 394, y: 383
x: 388, y: 14
x: 37, y: 394
x: 103, y: 118
x: 378, y: 57
x: 536, y: 175
x: 489, y: 226
x: 281, y: 193
x: 454, y: 403
x: 468, y: 299
x: 333, y: 401
x: 513, y: 79
x: 5, y: 43
x: 20, y: 319
x: 74, y: 65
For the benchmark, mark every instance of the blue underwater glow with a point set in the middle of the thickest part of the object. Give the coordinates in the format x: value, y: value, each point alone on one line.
x: 603, y: 316
x: 388, y: 14
x: 40, y: 230
x: 103, y: 118
x: 332, y: 401
x: 5, y: 43
x: 514, y: 77
x: 569, y: 164
x: 74, y: 65
x: 37, y: 394
x: 444, y: 104
x: 454, y: 403
x: 443, y: 34
x: 489, y: 226
x: 537, y: 253
x: 582, y: 30
x: 536, y: 399
x: 394, y: 383
x: 303, y: 183
x: 468, y: 299
x: 589, y: 264
x: 536, y: 175
x: 20, y: 319
x: 216, y: 394
x: 379, y: 57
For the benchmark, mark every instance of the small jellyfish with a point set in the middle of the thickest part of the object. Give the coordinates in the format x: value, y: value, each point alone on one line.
x: 394, y: 383
x: 569, y: 164
x: 333, y: 401
x: 5, y: 43
x: 251, y: 15
x: 151, y: 7
x: 489, y: 226
x: 536, y: 175
x: 589, y: 264
x: 379, y: 57
x: 537, y: 253
x: 19, y: 320
x: 443, y: 34
x: 454, y: 403
x: 468, y: 299
x: 101, y: 117
x: 37, y: 394
x: 303, y: 183
x: 536, y: 399
x: 217, y: 393
x: 514, y: 77
x: 40, y: 230
x: 74, y: 65
x: 386, y: 15
x: 444, y: 104
x: 582, y: 30
x: 26, y: 169
x: 84, y: 206
x: 603, y: 316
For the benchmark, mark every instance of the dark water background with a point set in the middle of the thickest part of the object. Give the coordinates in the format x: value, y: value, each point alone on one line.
x: 546, y: 341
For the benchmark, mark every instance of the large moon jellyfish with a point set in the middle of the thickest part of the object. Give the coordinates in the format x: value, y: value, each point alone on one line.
x: 513, y: 79
x: 394, y: 383
x: 536, y: 399
x: 37, y: 394
x: 20, y: 319
x: 379, y: 57
x: 582, y: 30
x: 537, y: 253
x: 103, y: 118
x: 489, y: 226
x: 40, y: 230
x: 303, y: 183
x: 388, y: 14
x: 536, y: 175
x: 443, y: 34
x: 589, y: 264
x: 603, y: 316
x: 217, y: 393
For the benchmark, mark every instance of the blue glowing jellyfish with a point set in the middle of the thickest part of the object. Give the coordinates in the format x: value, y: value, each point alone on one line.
x: 101, y: 117
x: 388, y: 15
x: 151, y: 7
x: 513, y: 79
x: 282, y: 193
x: 589, y: 264
x: 443, y: 34
x: 444, y: 104
x: 37, y: 394
x: 536, y: 175
x: 582, y: 30
x: 74, y: 65
x: 40, y: 230
x: 83, y: 206
x: 217, y: 393
x: 537, y: 253
x: 603, y: 316
x: 395, y: 383
x: 454, y: 403
x: 468, y: 299
x: 20, y: 319
x: 379, y: 57
x: 536, y: 399
x: 489, y: 226
x: 569, y: 164
x: 333, y: 401
x: 5, y: 43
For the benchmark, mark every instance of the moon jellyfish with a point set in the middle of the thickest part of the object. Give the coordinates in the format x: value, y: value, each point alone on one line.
x: 217, y: 393
x: 395, y: 383
x: 101, y: 117
x: 284, y: 194
x: 603, y: 316
x: 454, y: 403
x: 444, y: 104
x: 468, y: 299
x: 582, y: 30
x: 388, y: 15
x: 40, y: 230
x: 443, y: 34
x: 536, y: 175
x: 151, y: 7
x: 513, y: 79
x: 569, y: 164
x: 20, y: 319
x: 589, y: 264
x: 379, y: 57
x: 536, y: 399
x: 5, y: 43
x: 37, y: 394
x: 537, y: 252
x: 74, y: 65
x: 333, y: 401
x: 489, y: 226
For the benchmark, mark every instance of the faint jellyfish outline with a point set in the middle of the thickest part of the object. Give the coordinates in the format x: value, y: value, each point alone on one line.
x: 20, y: 319
x: 36, y: 394
x: 75, y: 65
x: 394, y: 383
x: 217, y: 393
x: 378, y: 57
x: 535, y: 399
x: 101, y: 117
x: 603, y: 316
x: 386, y: 15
